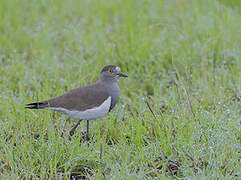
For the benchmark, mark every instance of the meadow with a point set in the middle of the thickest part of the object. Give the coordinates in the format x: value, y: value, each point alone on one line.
x: 179, y: 112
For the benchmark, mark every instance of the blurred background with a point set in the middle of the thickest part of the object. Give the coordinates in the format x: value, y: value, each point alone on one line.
x: 179, y: 111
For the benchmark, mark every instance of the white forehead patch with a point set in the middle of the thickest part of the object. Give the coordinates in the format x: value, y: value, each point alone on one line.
x: 117, y: 69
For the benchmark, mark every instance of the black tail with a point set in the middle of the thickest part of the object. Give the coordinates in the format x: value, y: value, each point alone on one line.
x: 37, y: 105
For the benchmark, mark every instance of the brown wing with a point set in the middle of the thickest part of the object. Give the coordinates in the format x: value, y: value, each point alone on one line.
x: 82, y: 98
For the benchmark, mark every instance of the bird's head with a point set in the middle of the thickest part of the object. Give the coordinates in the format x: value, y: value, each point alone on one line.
x: 111, y: 73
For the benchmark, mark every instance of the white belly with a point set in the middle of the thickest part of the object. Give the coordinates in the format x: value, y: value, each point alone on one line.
x: 90, y: 114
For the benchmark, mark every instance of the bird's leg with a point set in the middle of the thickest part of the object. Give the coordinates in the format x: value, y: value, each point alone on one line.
x: 71, y: 133
x: 87, y: 131
x: 62, y: 134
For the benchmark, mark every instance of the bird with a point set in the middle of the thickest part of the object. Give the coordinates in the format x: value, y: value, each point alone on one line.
x: 88, y: 102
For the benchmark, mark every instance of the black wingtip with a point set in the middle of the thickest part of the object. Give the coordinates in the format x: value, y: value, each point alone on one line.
x: 30, y: 107
x: 34, y: 106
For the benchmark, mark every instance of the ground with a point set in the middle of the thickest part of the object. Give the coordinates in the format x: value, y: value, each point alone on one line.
x: 179, y: 111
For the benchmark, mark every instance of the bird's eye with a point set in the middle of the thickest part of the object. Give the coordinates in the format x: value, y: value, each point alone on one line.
x: 110, y: 71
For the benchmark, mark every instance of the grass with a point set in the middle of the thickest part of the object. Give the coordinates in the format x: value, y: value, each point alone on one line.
x: 179, y: 111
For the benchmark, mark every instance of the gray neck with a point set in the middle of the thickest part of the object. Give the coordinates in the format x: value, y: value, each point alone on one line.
x: 108, y: 79
x: 113, y: 90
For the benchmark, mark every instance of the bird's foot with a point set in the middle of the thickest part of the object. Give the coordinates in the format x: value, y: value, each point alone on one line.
x: 87, y: 138
x: 71, y: 132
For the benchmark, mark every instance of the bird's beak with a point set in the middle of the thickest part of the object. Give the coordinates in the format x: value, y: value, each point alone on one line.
x: 122, y: 74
